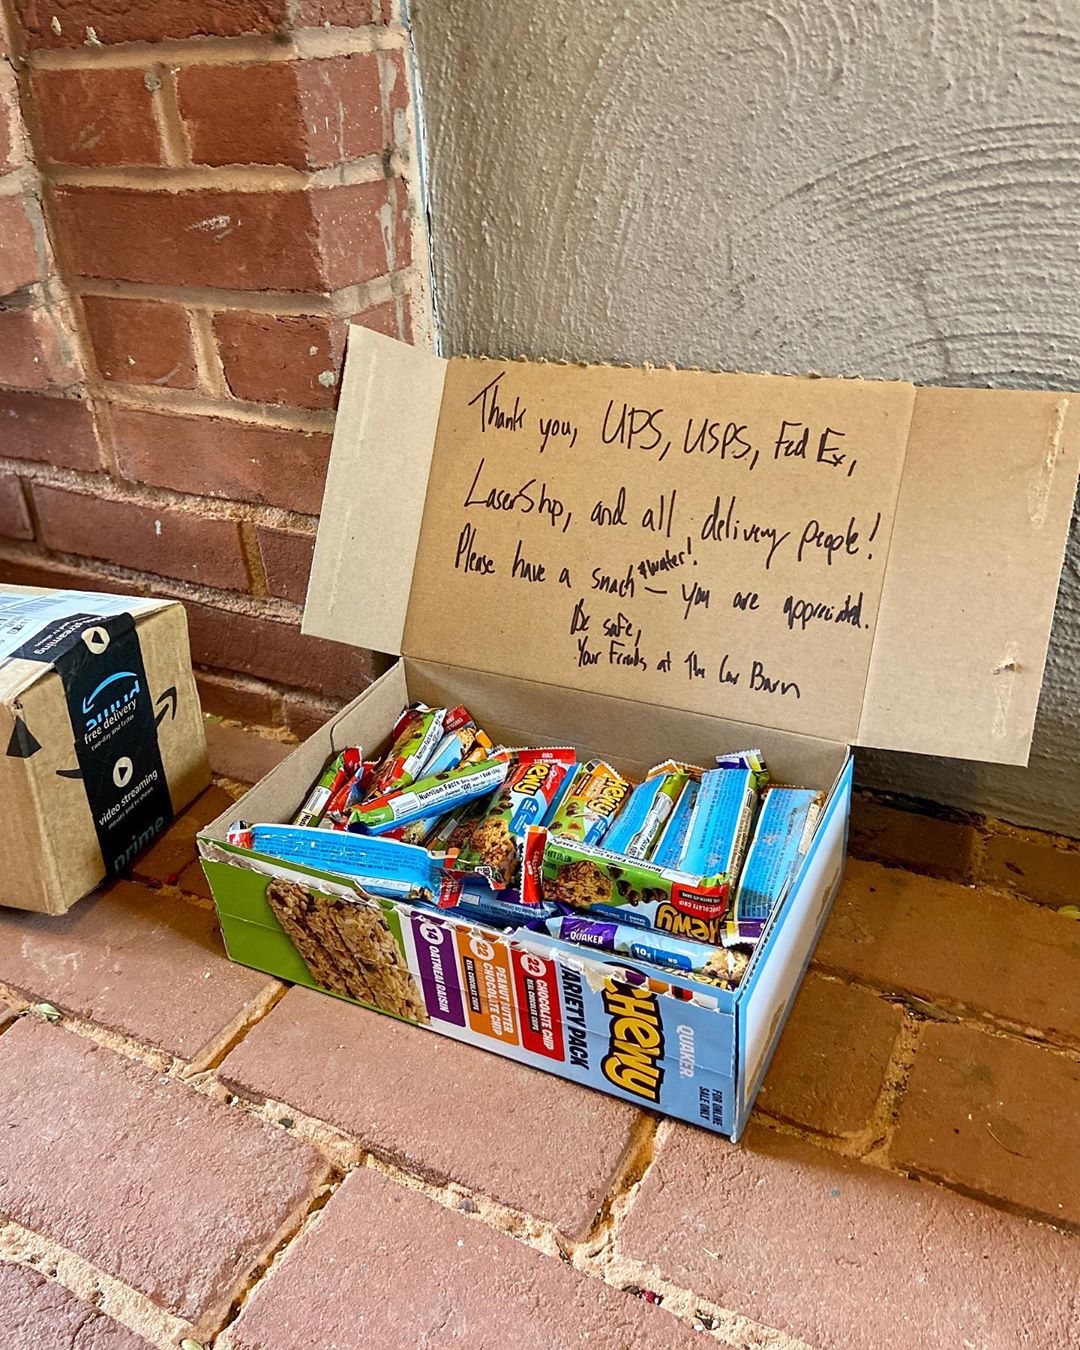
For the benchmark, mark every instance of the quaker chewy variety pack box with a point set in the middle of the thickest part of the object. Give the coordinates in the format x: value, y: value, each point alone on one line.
x: 101, y: 737
x: 594, y: 816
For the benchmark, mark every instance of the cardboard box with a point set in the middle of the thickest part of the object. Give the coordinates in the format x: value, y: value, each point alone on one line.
x: 648, y: 564
x: 102, y: 736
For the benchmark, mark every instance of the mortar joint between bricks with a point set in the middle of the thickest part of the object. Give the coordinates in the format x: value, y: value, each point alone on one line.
x: 234, y: 602
x: 211, y: 372
x: 210, y: 1056
x: 129, y: 1307
x: 944, y: 1010
x: 318, y: 1201
x: 638, y: 1156
x: 873, y: 1143
x: 165, y: 104
x: 298, y: 44
x: 249, y: 547
x: 159, y: 1061
x: 353, y: 299
x: 230, y: 178
x: 926, y: 1177
x: 162, y: 399
x: 719, y: 1323
x: 154, y: 498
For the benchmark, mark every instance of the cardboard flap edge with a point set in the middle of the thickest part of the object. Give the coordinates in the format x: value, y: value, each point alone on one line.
x: 974, y: 566
x: 376, y: 484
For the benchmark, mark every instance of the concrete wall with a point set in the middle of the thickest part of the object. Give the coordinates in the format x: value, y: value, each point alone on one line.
x: 855, y: 188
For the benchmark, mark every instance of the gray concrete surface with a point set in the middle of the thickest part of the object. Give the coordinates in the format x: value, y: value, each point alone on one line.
x: 852, y: 188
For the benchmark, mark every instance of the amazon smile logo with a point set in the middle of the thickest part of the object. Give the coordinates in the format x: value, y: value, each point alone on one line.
x: 115, y: 694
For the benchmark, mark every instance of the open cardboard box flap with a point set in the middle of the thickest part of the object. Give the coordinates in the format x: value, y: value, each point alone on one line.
x: 860, y: 561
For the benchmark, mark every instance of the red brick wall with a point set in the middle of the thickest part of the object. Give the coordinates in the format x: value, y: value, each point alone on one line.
x: 195, y: 199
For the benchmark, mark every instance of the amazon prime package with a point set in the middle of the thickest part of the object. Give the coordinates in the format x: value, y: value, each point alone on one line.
x: 101, y: 737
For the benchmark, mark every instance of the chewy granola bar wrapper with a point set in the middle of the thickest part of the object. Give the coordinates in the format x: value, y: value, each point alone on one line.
x: 590, y: 803
x: 381, y: 866
x: 429, y: 796
x: 669, y: 849
x: 460, y: 735
x: 606, y: 884
x: 340, y: 769
x: 638, y: 826
x: 493, y: 849
x: 720, y: 825
x: 418, y: 731
x: 451, y: 832
x: 714, y: 964
x: 782, y: 836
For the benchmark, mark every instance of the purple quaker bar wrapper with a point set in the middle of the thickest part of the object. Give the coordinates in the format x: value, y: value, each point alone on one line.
x: 784, y: 830
x: 636, y: 829
x: 720, y: 826
x: 661, y: 949
x: 672, y: 843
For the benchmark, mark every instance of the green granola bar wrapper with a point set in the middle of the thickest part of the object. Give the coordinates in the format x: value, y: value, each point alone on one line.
x: 630, y: 890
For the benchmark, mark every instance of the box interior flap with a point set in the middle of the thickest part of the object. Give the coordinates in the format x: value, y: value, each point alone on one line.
x: 976, y: 555
x: 374, y: 496
x: 711, y: 542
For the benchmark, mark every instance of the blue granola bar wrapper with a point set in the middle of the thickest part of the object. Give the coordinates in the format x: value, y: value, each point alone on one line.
x: 719, y: 829
x: 782, y: 836
x: 669, y: 849
x: 476, y: 902
x: 636, y: 830
x: 381, y: 866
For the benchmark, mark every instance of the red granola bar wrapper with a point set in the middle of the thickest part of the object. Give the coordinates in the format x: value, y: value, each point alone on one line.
x: 345, y: 796
x: 532, y: 865
x: 493, y: 850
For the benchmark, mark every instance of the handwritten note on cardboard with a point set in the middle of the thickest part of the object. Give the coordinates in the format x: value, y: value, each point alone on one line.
x: 712, y: 541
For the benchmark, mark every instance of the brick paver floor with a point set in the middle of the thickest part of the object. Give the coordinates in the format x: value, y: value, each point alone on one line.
x: 194, y: 1155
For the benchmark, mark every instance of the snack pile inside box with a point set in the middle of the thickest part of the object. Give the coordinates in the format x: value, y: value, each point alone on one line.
x: 680, y: 871
x: 595, y: 815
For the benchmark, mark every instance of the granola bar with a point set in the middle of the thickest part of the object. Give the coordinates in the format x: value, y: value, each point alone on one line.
x: 781, y: 839
x: 590, y: 803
